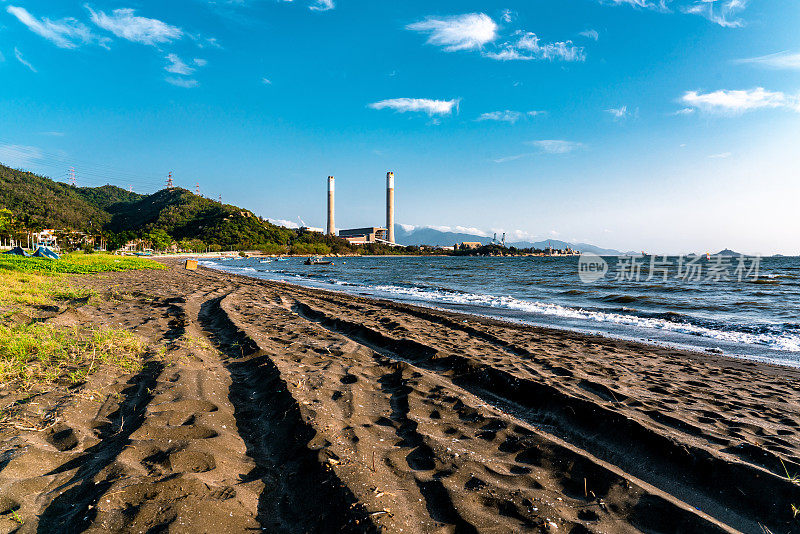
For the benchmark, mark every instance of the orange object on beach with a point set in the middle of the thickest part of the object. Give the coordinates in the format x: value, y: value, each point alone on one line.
x: 191, y: 265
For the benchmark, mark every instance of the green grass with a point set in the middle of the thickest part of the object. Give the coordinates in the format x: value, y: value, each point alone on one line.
x: 76, y: 263
x: 42, y: 353
x: 35, y: 353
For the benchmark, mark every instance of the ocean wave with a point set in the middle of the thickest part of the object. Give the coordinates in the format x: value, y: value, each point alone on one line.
x: 776, y: 340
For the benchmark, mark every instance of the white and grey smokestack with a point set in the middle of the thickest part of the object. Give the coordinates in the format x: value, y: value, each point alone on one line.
x: 331, y: 223
x: 390, y: 205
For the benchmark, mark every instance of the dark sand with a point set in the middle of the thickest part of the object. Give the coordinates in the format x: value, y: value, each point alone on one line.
x: 269, y: 407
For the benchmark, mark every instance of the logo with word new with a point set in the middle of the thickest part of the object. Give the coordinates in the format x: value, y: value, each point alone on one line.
x: 591, y: 267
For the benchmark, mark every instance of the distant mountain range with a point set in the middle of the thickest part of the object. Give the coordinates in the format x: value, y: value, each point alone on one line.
x: 433, y: 237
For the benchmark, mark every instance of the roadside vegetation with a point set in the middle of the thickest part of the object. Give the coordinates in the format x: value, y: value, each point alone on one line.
x: 34, y: 351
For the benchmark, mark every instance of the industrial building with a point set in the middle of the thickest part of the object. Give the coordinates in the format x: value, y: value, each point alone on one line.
x: 359, y: 236
x: 371, y: 234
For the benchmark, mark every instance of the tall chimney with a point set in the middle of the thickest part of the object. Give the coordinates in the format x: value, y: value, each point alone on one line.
x: 390, y: 205
x: 331, y: 223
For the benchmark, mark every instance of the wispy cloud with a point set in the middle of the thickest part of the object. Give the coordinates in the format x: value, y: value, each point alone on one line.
x: 266, y: 81
x: 684, y: 111
x: 722, y: 155
x: 321, y: 5
x: 556, y: 146
x: 284, y: 222
x: 528, y: 46
x: 186, y: 83
x: 785, y: 60
x: 737, y: 102
x: 515, y: 157
x: 19, y: 155
x: 471, y: 230
x: 721, y: 12
x: 590, y: 34
x: 460, y: 32
x: 660, y: 5
x: 64, y: 33
x: 507, y: 115
x: 618, y: 113
x: 176, y: 65
x: 21, y: 59
x: 425, y: 105
x: 126, y: 24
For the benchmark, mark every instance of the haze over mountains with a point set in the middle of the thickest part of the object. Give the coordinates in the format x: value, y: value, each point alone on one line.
x: 431, y: 236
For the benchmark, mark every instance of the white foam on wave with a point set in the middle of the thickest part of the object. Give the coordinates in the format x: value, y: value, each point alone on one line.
x: 785, y: 341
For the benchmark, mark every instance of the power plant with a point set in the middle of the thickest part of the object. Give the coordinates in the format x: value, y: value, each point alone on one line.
x: 371, y: 234
x: 390, y: 205
x: 331, y: 223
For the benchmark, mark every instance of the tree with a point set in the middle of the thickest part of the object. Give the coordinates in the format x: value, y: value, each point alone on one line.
x: 6, y: 221
x: 159, y: 239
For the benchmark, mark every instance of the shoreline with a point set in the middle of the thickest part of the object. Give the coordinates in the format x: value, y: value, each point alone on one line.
x: 255, y: 394
x: 588, y: 331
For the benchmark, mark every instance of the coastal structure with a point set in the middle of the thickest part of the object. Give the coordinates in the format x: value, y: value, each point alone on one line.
x: 361, y: 236
x: 331, y: 223
x: 390, y: 206
x: 371, y: 234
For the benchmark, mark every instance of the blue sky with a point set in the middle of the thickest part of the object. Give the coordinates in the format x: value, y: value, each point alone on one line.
x: 668, y: 126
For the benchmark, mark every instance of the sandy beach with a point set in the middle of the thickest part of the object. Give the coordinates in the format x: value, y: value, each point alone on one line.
x: 269, y: 407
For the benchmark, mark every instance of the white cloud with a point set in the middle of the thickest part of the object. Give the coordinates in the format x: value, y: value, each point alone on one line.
x: 781, y: 60
x: 177, y: 66
x: 508, y: 15
x: 186, y: 83
x: 266, y: 81
x: 528, y: 46
x: 283, y: 222
x: 515, y: 157
x: 321, y: 5
x: 19, y: 155
x: 64, y: 33
x: 658, y: 5
x: 618, y: 113
x: 460, y: 32
x: 200, y: 62
x: 684, y: 111
x: 458, y: 229
x: 736, y: 102
x: 407, y: 228
x: 556, y: 146
x: 723, y: 155
x: 125, y: 24
x: 18, y: 55
x: 431, y: 107
x: 722, y: 12
x: 590, y: 34
x: 507, y: 115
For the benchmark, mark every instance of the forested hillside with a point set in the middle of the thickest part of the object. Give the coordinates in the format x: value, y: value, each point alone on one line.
x: 175, y: 214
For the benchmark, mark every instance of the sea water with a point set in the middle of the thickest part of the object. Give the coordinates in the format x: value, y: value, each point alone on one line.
x: 755, y: 317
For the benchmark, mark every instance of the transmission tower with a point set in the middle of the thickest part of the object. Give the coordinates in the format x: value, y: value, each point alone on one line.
x: 72, y: 176
x: 220, y: 199
x: 169, y: 180
x: 130, y: 188
x: 197, y: 188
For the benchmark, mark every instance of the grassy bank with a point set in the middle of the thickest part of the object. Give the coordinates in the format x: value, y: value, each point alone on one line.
x: 33, y: 351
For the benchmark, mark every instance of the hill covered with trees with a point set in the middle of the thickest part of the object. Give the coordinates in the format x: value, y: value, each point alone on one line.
x: 170, y: 215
